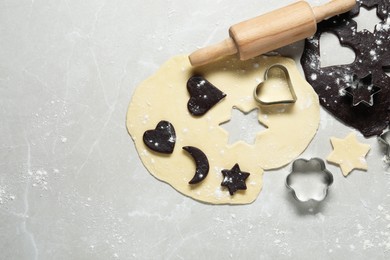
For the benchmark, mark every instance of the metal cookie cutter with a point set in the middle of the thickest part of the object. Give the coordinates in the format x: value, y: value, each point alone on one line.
x: 257, y: 90
x: 385, y: 139
x: 362, y: 90
x: 309, y: 180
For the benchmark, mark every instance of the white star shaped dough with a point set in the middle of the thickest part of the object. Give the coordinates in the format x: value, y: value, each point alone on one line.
x: 348, y: 153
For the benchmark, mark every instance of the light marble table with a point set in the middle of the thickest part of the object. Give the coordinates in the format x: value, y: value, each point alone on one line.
x: 71, y: 183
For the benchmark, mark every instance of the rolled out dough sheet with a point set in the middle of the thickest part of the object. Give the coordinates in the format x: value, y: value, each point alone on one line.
x: 164, y: 96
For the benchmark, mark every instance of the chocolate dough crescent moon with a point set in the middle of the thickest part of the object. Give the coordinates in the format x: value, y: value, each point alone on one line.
x: 201, y: 162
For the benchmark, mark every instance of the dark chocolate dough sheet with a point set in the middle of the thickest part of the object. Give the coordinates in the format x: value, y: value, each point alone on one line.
x: 372, y: 57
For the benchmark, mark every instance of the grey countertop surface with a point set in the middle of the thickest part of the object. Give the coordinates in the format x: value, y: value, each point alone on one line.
x: 71, y: 183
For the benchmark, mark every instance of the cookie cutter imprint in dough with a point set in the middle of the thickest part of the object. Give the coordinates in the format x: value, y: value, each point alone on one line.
x: 259, y: 87
x: 309, y: 180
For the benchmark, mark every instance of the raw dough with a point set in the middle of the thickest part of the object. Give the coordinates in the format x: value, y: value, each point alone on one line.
x: 348, y: 153
x: 164, y: 96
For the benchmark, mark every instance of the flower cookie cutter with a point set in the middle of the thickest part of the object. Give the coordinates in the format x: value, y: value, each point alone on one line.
x: 257, y: 91
x: 309, y: 180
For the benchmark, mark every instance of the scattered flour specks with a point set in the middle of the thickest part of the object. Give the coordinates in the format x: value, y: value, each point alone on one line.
x: 367, y: 244
x: 39, y: 178
x: 5, y: 196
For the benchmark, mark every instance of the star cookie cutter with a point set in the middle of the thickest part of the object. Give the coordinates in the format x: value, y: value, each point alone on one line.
x: 362, y: 90
x: 309, y: 180
x: 257, y: 90
x: 385, y: 139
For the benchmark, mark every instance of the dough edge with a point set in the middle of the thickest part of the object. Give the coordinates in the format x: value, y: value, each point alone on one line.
x: 206, y: 191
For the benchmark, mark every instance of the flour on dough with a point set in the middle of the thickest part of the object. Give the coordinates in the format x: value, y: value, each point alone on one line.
x: 164, y: 96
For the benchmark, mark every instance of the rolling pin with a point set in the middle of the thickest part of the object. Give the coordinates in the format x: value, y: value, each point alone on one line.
x: 271, y: 31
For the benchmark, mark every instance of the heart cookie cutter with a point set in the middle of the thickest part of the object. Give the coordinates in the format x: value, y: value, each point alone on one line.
x: 257, y: 90
x: 309, y: 180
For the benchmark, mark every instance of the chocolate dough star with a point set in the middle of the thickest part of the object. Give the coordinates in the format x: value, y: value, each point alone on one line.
x: 362, y: 90
x: 234, y: 179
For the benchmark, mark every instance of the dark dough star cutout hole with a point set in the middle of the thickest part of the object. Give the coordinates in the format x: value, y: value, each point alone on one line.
x: 362, y: 90
x: 234, y: 179
x: 367, y: 19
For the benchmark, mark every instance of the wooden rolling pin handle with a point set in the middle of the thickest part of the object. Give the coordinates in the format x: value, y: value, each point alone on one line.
x: 271, y: 31
x: 213, y: 52
x: 332, y: 8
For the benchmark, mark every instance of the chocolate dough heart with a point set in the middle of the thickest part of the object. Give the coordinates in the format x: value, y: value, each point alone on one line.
x: 204, y: 95
x: 372, y: 56
x: 162, y: 139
